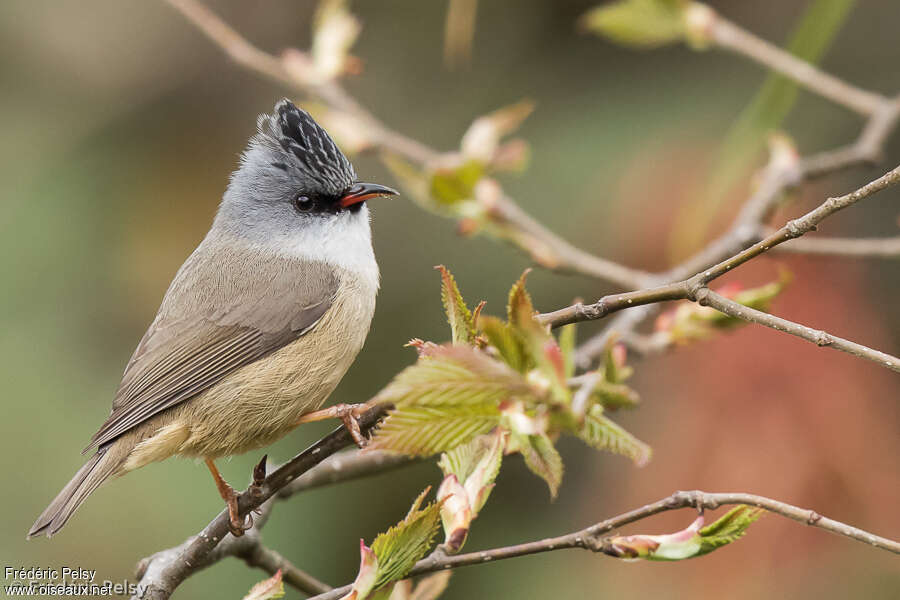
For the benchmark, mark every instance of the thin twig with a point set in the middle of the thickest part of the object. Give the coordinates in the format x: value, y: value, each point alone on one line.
x: 728, y: 36
x: 888, y: 247
x: 163, y: 572
x: 592, y: 537
x: 562, y: 256
x: 695, y: 288
x: 776, y: 179
x: 816, y: 336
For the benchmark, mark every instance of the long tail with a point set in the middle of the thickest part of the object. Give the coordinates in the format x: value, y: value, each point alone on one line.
x: 86, y: 480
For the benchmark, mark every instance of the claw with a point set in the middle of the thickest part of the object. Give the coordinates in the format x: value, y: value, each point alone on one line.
x: 348, y: 413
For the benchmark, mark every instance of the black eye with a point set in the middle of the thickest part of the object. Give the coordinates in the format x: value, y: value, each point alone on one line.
x: 303, y: 203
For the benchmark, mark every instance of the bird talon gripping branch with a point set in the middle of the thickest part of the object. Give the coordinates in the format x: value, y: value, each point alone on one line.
x: 349, y: 414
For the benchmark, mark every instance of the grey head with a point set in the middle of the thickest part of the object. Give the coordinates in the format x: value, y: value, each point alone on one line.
x: 293, y: 180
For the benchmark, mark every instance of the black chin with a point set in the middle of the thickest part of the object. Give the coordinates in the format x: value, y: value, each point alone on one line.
x: 355, y: 208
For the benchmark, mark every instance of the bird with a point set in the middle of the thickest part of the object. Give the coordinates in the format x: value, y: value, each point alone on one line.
x: 259, y: 324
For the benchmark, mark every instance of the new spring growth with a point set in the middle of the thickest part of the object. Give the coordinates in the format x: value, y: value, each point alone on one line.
x: 695, y: 540
x: 469, y: 473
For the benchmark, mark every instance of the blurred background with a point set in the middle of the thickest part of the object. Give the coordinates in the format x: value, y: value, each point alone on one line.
x: 120, y: 127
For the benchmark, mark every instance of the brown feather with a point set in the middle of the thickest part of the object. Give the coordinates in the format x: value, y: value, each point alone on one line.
x: 214, y: 319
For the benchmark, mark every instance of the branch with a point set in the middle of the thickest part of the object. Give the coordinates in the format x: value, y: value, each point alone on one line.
x: 776, y: 179
x: 294, y: 70
x: 592, y: 537
x: 849, y: 247
x: 695, y: 287
x: 161, y: 573
x: 729, y: 36
x: 557, y: 253
x: 820, y: 338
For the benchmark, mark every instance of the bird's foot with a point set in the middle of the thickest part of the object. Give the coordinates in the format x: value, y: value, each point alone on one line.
x: 236, y: 523
x: 348, y: 413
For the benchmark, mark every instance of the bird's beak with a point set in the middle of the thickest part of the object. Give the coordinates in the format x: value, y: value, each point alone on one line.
x: 360, y: 192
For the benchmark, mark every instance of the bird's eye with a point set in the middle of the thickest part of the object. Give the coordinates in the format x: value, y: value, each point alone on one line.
x: 303, y: 203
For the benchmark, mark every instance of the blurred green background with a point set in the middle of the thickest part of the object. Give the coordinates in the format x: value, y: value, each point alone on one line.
x: 120, y: 127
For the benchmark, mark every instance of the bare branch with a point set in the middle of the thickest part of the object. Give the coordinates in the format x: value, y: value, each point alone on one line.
x: 728, y: 36
x: 592, y: 537
x: 850, y: 247
x: 695, y: 288
x: 559, y: 254
x: 164, y: 571
x: 820, y: 338
x: 270, y: 561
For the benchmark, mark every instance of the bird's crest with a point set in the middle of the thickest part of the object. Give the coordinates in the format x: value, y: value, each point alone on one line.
x: 298, y: 134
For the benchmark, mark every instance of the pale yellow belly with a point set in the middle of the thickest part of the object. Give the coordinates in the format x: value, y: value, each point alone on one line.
x: 261, y: 402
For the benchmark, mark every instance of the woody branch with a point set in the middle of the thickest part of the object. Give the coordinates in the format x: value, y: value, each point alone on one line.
x: 593, y: 537
x: 163, y: 572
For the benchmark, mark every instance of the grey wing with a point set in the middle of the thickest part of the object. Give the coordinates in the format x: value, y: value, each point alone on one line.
x: 262, y: 310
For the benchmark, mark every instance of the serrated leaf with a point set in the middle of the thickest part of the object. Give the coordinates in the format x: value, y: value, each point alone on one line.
x: 542, y: 458
x: 267, y: 589
x: 520, y: 309
x: 454, y: 376
x: 731, y: 527
x: 600, y: 432
x: 567, y: 347
x: 462, y: 326
x: 613, y: 396
x: 476, y: 465
x: 423, y: 431
x: 638, y: 23
x: 463, y: 460
x: 401, y: 546
x: 449, y: 396
x: 508, y: 343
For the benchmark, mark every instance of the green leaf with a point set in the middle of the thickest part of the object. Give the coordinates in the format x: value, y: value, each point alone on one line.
x: 567, y: 347
x: 638, y: 23
x: 450, y: 186
x: 764, y: 114
x: 732, y: 526
x: 455, y: 376
x: 508, y: 343
x: 462, y: 328
x: 520, y: 309
x: 541, y: 458
x: 449, y: 396
x: 401, y: 546
x: 267, y: 589
x: 613, y: 396
x: 476, y: 465
x: 601, y: 433
x: 464, y: 459
x: 424, y: 430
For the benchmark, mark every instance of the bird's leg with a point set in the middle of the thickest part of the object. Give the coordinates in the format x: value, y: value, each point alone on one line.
x: 348, y: 413
x: 230, y: 497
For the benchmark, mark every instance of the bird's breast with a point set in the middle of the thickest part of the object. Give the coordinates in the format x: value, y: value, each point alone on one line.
x: 261, y: 402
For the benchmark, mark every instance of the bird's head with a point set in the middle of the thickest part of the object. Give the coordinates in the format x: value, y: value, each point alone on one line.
x: 293, y: 179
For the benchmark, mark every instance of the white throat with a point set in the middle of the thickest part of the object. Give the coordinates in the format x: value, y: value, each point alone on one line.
x: 344, y: 241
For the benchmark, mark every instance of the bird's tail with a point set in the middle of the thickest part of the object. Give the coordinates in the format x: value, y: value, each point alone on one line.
x: 86, y: 480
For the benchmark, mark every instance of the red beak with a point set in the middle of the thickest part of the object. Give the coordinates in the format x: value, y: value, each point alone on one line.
x: 361, y: 192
